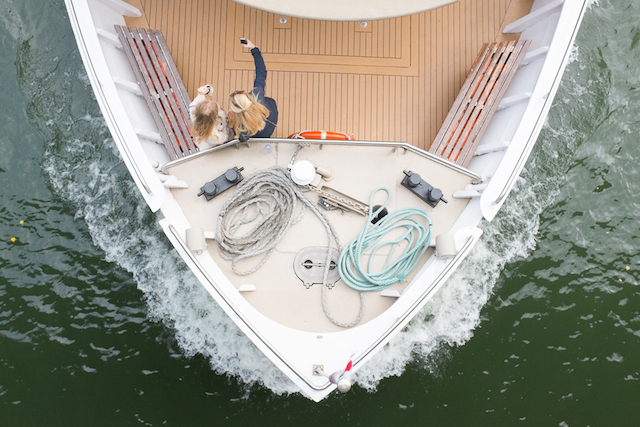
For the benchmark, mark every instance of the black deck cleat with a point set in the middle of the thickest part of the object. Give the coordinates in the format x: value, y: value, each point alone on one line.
x: 414, y: 183
x: 221, y: 184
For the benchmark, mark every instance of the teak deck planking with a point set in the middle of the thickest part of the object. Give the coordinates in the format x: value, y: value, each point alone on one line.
x: 394, y: 80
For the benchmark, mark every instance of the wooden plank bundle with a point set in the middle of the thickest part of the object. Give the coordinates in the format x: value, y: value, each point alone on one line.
x: 161, y: 87
x: 478, y: 100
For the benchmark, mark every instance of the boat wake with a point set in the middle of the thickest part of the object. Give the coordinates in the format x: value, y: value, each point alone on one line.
x: 84, y: 168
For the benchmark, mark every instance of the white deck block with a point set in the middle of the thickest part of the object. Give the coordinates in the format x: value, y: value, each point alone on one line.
x: 509, y: 101
x: 390, y: 293
x: 527, y: 21
x: 108, y: 37
x: 534, y: 55
x: 128, y: 86
x: 171, y: 181
x: 122, y: 8
x: 491, y: 148
x: 152, y: 136
x: 466, y: 194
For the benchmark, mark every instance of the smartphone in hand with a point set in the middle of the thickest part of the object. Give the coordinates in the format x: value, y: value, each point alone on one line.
x: 243, y: 40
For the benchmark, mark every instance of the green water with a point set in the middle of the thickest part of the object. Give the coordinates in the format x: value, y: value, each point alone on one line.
x: 100, y: 325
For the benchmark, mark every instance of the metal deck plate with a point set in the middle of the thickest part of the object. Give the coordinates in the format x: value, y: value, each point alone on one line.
x: 310, y: 263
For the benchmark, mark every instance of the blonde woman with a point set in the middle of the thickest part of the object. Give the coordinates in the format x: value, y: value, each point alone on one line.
x: 210, y: 122
x: 253, y: 115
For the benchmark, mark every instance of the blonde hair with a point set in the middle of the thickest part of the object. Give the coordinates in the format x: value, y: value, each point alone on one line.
x: 205, y: 116
x: 248, y: 114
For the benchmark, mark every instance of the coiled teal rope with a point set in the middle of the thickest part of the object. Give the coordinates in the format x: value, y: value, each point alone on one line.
x: 371, y: 239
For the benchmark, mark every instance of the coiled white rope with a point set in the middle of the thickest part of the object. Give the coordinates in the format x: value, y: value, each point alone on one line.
x: 266, y: 198
x: 372, y: 238
x: 269, y: 198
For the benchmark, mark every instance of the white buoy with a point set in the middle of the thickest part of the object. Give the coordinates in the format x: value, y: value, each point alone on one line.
x: 341, y: 378
x: 344, y: 385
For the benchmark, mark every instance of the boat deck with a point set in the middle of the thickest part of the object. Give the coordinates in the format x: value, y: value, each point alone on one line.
x: 393, y: 80
x: 279, y: 293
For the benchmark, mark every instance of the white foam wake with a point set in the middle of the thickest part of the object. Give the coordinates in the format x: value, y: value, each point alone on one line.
x: 88, y: 174
x: 123, y: 227
x: 452, y: 315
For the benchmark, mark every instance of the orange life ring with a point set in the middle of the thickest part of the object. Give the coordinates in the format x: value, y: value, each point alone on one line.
x: 321, y: 134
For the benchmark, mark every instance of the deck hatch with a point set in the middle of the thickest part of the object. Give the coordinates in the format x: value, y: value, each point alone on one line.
x: 310, y: 263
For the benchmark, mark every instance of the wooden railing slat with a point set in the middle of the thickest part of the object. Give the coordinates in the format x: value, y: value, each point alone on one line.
x: 480, y: 96
x: 166, y: 110
x: 162, y: 87
x: 478, y: 100
x: 149, y: 93
x: 173, y: 112
x: 516, y: 57
x: 438, y: 147
x: 477, y: 89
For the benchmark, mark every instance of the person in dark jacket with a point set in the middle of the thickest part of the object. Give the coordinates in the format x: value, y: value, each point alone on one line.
x: 253, y: 115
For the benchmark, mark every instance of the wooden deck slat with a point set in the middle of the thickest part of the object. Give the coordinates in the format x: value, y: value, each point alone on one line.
x: 164, y: 82
x: 350, y: 101
x: 486, y: 69
x: 493, y: 100
x: 449, y: 47
x: 478, y: 100
x: 362, y: 107
x: 199, y: 74
x: 383, y: 102
x: 195, y: 41
x: 423, y: 66
x: 150, y: 87
x: 182, y: 42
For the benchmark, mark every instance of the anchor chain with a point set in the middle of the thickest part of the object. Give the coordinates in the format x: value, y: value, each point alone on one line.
x: 341, y: 201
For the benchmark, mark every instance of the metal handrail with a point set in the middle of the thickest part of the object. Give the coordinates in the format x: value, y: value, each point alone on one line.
x: 403, y: 145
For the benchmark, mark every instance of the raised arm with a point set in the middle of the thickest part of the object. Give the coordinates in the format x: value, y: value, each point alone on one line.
x: 204, y: 92
x: 261, y: 71
x: 261, y: 74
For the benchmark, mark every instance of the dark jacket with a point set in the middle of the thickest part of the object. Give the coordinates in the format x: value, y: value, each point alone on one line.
x: 258, y: 93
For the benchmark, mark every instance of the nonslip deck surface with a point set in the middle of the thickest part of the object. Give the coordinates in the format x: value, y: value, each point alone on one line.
x: 280, y: 294
x: 393, y: 80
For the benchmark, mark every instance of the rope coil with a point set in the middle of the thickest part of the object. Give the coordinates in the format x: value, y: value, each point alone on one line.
x: 372, y: 238
x: 269, y: 200
x: 266, y: 198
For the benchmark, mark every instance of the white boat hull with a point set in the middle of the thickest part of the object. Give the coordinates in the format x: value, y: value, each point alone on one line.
x: 552, y: 27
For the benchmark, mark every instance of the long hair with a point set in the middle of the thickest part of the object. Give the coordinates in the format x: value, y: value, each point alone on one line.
x: 248, y: 114
x: 205, y: 115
